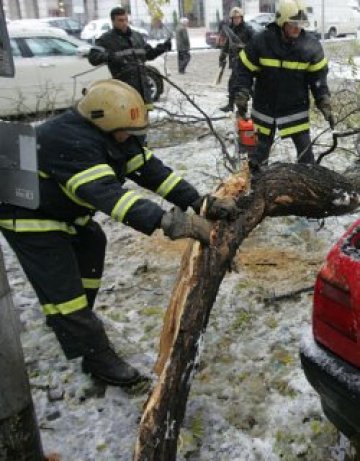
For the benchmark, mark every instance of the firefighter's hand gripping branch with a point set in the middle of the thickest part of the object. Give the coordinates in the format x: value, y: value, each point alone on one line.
x: 217, y: 208
x: 176, y: 225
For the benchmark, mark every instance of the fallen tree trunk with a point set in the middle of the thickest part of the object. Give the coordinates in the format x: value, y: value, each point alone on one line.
x: 282, y: 190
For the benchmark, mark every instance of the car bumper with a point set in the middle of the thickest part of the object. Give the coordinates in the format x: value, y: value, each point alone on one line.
x: 337, y: 383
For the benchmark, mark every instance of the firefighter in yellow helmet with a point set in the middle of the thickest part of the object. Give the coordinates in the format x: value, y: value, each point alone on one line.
x: 85, y: 156
x: 238, y: 33
x: 285, y: 63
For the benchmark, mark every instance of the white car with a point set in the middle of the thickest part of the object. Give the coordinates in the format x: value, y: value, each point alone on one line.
x: 51, y: 70
x: 69, y: 25
x: 94, y: 29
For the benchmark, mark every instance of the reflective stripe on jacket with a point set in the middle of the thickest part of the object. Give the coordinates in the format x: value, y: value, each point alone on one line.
x: 82, y: 170
x: 284, y: 73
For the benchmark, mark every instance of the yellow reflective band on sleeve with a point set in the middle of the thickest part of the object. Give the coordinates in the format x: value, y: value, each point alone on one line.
x: 247, y: 63
x: 82, y: 220
x: 75, y: 199
x: 91, y: 283
x: 123, y: 205
x: 138, y: 161
x: 267, y: 62
x: 294, y: 129
x: 36, y: 225
x: 43, y: 175
x: 66, y: 308
x: 168, y: 185
x: 262, y: 129
x: 89, y: 175
x: 318, y: 66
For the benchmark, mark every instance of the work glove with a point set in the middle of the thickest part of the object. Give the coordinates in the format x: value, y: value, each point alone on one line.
x: 176, y: 225
x: 167, y: 45
x: 324, y: 105
x: 241, y: 101
x: 217, y: 208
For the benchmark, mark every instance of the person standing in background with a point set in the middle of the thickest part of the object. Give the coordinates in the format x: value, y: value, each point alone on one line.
x: 238, y: 34
x: 183, y: 44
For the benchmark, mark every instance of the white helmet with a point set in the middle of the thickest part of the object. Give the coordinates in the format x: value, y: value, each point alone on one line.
x: 293, y: 12
x: 236, y: 11
x: 113, y: 105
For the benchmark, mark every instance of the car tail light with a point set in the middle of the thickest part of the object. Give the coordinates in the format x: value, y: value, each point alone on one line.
x: 332, y: 305
x: 336, y: 310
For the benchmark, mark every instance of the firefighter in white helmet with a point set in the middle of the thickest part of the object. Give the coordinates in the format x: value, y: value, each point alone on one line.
x: 238, y: 33
x: 85, y: 156
x: 285, y: 63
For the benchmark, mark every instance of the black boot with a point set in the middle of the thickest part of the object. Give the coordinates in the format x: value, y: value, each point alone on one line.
x: 228, y: 108
x: 107, y: 366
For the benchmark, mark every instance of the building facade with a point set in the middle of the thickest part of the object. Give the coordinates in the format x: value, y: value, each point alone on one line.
x: 200, y: 12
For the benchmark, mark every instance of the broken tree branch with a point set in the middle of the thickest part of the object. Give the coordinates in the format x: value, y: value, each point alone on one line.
x: 283, y: 189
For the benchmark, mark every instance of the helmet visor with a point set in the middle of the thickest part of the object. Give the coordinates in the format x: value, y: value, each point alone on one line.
x: 299, y: 20
x: 137, y: 132
x: 301, y: 24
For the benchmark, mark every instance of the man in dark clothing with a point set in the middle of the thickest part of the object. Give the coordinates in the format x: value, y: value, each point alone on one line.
x: 85, y: 156
x: 286, y: 62
x: 125, y: 52
x: 237, y: 34
x: 183, y: 45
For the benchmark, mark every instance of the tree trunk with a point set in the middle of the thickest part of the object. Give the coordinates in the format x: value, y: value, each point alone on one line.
x: 284, y: 189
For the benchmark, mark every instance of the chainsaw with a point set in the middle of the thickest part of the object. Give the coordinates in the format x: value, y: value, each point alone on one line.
x: 245, y: 136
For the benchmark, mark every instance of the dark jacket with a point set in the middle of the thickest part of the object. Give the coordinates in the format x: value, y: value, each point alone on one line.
x: 284, y: 73
x: 82, y: 170
x: 182, y: 38
x: 126, y: 54
x: 236, y: 39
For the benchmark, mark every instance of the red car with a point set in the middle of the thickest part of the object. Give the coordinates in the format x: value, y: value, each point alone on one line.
x: 331, y: 361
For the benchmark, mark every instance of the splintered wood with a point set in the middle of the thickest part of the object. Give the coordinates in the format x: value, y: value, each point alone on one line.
x: 281, y: 190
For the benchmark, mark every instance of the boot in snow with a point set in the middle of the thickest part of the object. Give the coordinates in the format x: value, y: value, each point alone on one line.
x: 107, y: 366
x: 228, y: 108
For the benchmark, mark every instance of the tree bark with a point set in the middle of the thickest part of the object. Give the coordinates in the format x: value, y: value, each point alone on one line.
x: 284, y: 189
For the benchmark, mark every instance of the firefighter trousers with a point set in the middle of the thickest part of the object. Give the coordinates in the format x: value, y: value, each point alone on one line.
x: 302, y: 142
x: 65, y: 271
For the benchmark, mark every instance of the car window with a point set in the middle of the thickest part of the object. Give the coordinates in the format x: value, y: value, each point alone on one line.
x: 49, y: 46
x: 73, y: 24
x: 57, y: 23
x: 15, y: 48
x: 105, y: 27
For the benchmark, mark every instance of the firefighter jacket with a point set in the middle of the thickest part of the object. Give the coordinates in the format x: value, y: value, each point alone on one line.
x: 126, y: 53
x: 284, y: 73
x: 236, y: 39
x: 83, y: 170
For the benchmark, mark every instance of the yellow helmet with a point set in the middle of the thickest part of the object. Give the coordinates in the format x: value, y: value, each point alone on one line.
x: 292, y: 11
x: 236, y: 11
x: 113, y: 105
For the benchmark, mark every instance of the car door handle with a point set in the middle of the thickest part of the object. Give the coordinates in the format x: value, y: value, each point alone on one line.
x: 47, y: 64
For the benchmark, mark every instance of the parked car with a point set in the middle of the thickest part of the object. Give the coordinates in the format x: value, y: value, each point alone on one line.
x: 331, y: 359
x: 94, y: 29
x: 51, y: 69
x: 261, y: 19
x: 215, y: 39
x: 69, y: 25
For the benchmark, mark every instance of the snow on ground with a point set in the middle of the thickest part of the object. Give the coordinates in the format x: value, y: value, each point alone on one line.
x: 249, y: 400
